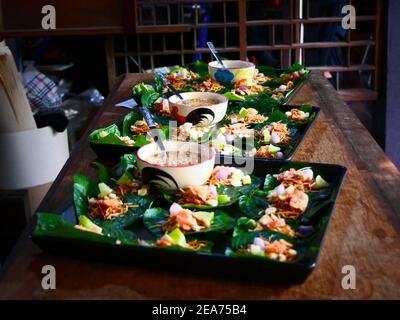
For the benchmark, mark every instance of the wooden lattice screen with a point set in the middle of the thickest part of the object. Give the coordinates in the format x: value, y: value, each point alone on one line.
x: 283, y: 31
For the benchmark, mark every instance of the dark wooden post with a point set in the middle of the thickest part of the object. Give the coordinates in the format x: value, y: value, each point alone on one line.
x: 242, y: 29
x: 393, y: 84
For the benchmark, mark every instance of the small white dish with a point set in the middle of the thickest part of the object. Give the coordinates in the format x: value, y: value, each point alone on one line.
x: 235, y: 71
x: 175, y: 177
x: 205, y: 115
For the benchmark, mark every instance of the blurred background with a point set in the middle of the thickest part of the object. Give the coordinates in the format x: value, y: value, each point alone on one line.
x: 94, y: 42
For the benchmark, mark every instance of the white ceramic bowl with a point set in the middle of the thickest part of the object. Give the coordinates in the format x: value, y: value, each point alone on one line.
x: 203, y: 116
x: 236, y: 71
x: 171, y: 178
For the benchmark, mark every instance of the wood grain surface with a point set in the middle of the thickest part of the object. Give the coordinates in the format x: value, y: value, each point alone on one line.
x: 364, y: 231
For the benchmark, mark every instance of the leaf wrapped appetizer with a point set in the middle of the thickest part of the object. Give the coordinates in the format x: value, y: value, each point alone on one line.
x: 301, y: 115
x: 49, y: 224
x: 110, y: 135
x: 269, y: 221
x: 265, y: 244
x: 260, y: 229
x: 160, y: 221
x: 134, y: 132
x: 176, y: 240
x: 204, y: 197
x: 223, y: 188
x: 247, y: 116
x: 244, y: 133
x: 291, y: 194
x: 53, y: 225
x: 190, y: 132
x: 266, y: 81
x: 270, y: 245
x: 107, y: 206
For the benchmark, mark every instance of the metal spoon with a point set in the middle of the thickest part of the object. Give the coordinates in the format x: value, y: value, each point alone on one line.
x: 170, y: 86
x: 215, y: 54
x: 154, y: 131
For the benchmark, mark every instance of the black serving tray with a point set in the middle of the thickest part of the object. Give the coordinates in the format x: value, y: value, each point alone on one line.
x: 292, y: 92
x: 303, y: 130
x: 112, y: 152
x: 215, y: 263
x: 278, y: 71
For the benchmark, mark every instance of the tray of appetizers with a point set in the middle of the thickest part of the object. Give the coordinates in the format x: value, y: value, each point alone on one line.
x: 242, y: 114
x: 198, y: 212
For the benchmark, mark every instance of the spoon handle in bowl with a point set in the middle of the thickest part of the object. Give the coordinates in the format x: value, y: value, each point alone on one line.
x: 155, y: 132
x: 215, y: 53
x: 169, y: 85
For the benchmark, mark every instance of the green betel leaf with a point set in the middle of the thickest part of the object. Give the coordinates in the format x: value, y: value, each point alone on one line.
x: 305, y: 255
x: 141, y: 203
x: 294, y: 67
x: 144, y: 202
x: 222, y: 190
x: 244, y: 224
x: 120, y: 234
x: 129, y: 120
x: 129, y: 163
x: 325, y: 191
x: 306, y: 108
x: 277, y: 116
x: 53, y: 225
x: 207, y: 249
x: 112, y: 139
x: 314, y: 208
x: 243, y: 239
x: 155, y: 218
x: 165, y: 130
x: 256, y: 183
x: 232, y: 192
x: 272, y: 83
x: 113, y: 128
x: 262, y: 102
x: 319, y: 195
x: 222, y: 222
x: 267, y: 70
x: 269, y: 182
x: 178, y: 70
x: 113, y: 136
x: 233, y: 96
x: 252, y: 205
x: 159, y: 84
x: 141, y: 140
x: 200, y: 67
x: 149, y: 98
x: 314, y: 236
x: 106, y: 175
x: 84, y: 188
x: 141, y: 89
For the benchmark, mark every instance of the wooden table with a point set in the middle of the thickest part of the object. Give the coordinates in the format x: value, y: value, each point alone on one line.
x: 364, y: 231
